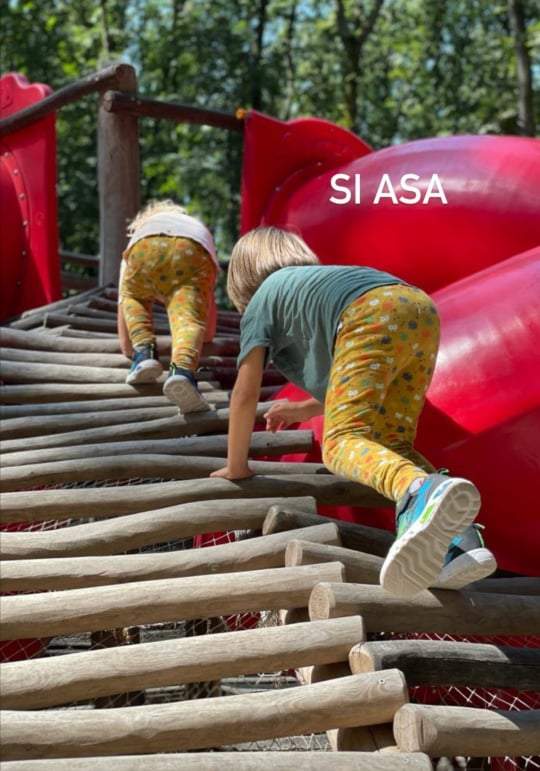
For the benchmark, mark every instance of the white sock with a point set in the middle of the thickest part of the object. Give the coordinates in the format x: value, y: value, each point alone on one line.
x: 416, y: 485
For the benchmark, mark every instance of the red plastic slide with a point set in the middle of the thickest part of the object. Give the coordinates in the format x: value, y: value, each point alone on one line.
x: 28, y: 219
x: 478, y: 254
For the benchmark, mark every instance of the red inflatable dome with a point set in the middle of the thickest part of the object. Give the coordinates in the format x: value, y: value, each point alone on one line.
x: 478, y: 254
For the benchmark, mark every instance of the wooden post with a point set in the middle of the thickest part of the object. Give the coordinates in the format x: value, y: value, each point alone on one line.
x: 118, y: 178
x: 349, y: 701
x: 50, y: 682
x: 451, y: 731
x: 362, y: 538
x: 434, y: 662
x: 441, y: 611
x: 360, y: 568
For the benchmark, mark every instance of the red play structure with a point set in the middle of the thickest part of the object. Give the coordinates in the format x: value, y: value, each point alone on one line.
x: 479, y: 255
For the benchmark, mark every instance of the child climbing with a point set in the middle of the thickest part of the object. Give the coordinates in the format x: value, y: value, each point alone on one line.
x: 170, y: 258
x: 363, y: 343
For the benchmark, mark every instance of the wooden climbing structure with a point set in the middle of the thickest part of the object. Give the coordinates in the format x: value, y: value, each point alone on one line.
x: 149, y: 611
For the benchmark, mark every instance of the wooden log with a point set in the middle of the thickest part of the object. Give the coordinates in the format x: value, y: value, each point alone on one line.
x: 80, y: 572
x: 354, y: 700
x: 159, y: 601
x: 359, y: 537
x: 145, y: 529
x: 521, y: 585
x: 33, y: 340
x: 45, y: 409
x: 158, y: 428
x: 372, y: 738
x: 112, y: 501
x: 20, y: 428
x: 119, y: 467
x: 441, y: 612
x: 115, y: 360
x: 63, y: 392
x: 233, y: 761
x: 24, y: 372
x: 262, y: 443
x: 360, y: 568
x: 35, y: 315
x: 50, y: 682
x: 450, y: 731
x: 432, y: 662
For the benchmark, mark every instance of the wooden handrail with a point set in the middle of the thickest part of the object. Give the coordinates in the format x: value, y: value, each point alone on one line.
x: 107, y: 78
x: 117, y: 101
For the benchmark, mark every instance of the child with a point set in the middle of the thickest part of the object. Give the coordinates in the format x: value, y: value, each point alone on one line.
x: 170, y: 257
x: 363, y: 343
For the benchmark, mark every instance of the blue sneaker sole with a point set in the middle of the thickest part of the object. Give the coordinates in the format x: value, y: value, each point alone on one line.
x: 416, y: 558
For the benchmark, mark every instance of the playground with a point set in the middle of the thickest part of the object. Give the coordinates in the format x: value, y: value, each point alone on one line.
x: 154, y: 616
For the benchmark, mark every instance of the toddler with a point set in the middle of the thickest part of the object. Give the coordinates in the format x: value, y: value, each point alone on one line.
x: 170, y: 258
x: 363, y: 343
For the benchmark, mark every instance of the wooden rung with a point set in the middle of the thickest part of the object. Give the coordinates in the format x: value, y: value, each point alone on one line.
x: 441, y: 612
x: 159, y: 601
x: 55, y: 574
x: 360, y: 567
x: 120, y: 467
x: 354, y: 700
x: 370, y: 540
x: 521, y: 585
x: 121, y: 534
x: 49, y: 682
x: 262, y: 443
x: 234, y: 761
x: 108, y: 501
x: 172, y: 426
x: 433, y: 662
x: 451, y: 731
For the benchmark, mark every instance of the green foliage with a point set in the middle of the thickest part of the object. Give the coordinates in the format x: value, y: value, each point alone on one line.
x: 428, y: 67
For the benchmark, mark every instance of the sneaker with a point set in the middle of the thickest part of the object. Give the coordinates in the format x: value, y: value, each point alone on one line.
x: 427, y: 520
x: 145, y: 368
x: 467, y: 560
x: 181, y: 389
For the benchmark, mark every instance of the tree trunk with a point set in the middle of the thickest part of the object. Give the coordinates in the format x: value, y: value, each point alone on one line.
x: 526, y: 120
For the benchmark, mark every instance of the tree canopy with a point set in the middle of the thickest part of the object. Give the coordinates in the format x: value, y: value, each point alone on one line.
x: 390, y: 70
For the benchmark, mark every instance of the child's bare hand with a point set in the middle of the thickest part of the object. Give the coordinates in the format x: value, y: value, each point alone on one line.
x: 283, y: 414
x: 233, y: 474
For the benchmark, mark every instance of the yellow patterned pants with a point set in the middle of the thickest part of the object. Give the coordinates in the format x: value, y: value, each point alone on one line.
x: 181, y: 274
x: 383, y: 363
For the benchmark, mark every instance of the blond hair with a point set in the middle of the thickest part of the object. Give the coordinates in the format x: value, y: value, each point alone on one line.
x: 166, y: 206
x: 259, y: 253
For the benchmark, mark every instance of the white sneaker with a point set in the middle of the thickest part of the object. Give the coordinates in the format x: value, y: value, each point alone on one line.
x: 180, y: 391
x: 145, y: 368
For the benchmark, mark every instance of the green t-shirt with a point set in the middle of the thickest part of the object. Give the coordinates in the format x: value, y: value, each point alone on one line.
x: 295, y: 314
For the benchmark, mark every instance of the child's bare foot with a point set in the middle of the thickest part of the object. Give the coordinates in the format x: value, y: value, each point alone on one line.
x: 181, y: 389
x: 145, y: 368
x: 427, y: 521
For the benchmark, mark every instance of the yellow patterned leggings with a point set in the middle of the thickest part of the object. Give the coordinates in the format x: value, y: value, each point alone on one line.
x: 383, y: 363
x: 180, y: 273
